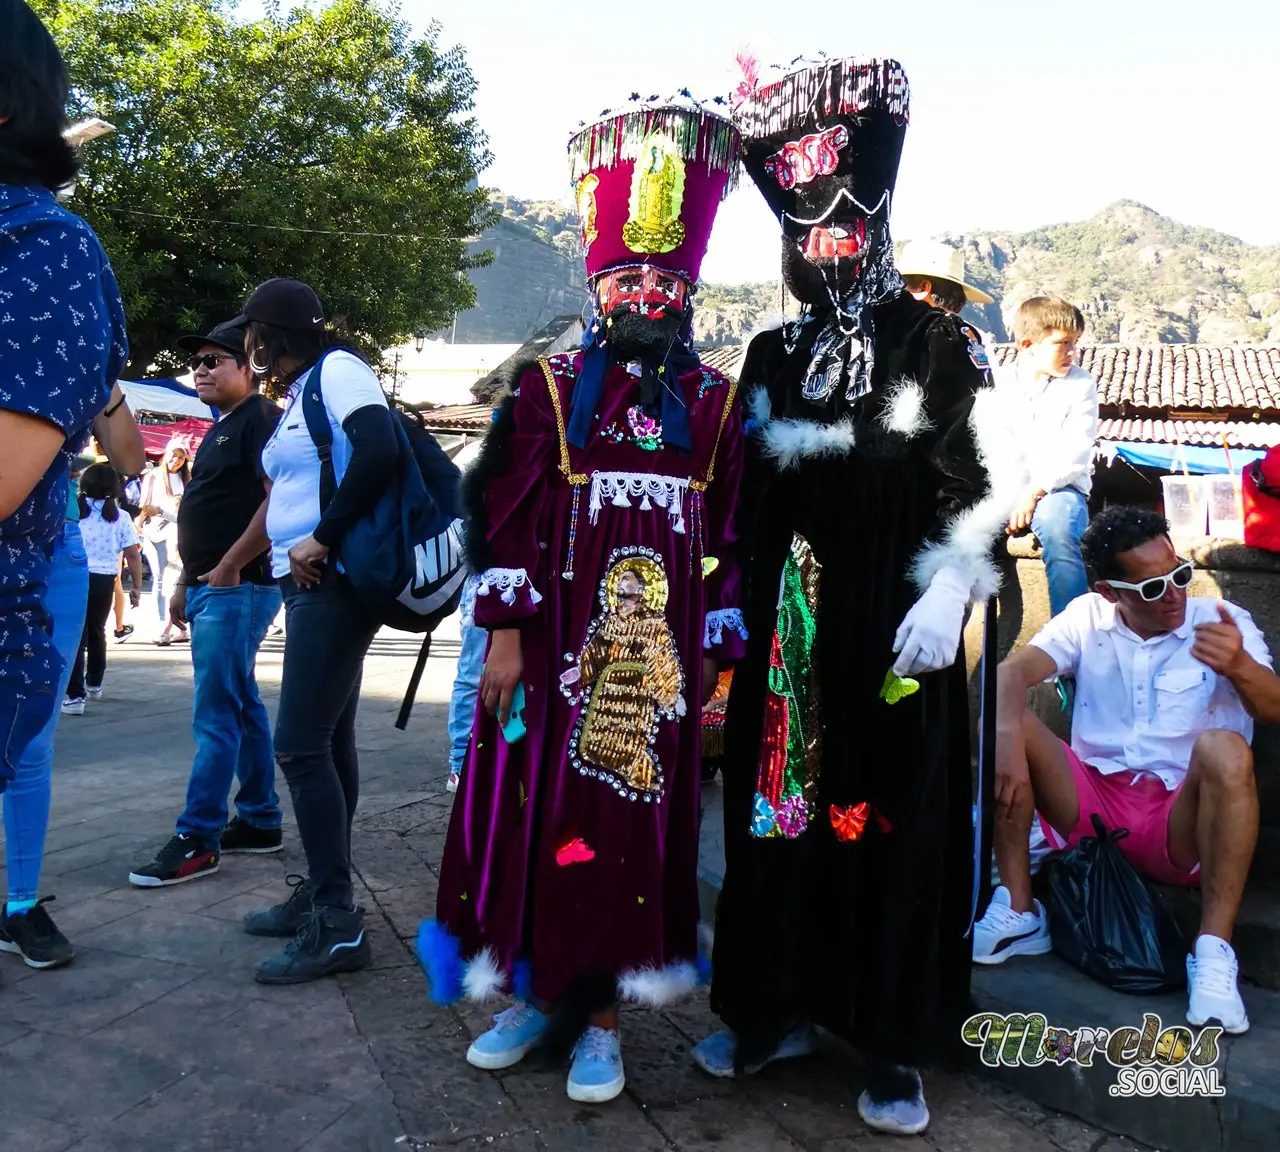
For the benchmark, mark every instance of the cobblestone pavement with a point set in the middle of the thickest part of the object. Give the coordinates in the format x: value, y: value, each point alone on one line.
x: 157, y: 1038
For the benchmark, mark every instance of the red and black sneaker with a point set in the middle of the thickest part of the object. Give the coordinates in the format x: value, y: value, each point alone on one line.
x: 183, y: 858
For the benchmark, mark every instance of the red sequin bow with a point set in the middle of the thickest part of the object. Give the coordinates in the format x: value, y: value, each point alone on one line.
x: 849, y: 823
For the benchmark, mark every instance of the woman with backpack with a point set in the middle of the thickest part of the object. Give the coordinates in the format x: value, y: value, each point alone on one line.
x: 107, y: 534
x: 328, y: 627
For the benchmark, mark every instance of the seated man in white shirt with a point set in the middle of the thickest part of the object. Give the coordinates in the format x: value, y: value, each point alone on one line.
x: 1052, y: 408
x: 1167, y: 690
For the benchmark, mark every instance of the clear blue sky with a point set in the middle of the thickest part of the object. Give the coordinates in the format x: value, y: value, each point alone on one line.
x: 1023, y: 113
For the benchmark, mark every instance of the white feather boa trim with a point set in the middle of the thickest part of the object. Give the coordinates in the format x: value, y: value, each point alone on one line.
x: 968, y: 538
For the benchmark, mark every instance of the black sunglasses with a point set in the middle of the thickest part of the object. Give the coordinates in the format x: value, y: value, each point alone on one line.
x: 210, y: 360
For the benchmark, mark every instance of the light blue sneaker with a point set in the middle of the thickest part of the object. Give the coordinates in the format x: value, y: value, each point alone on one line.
x: 901, y: 1117
x: 715, y: 1054
x: 596, y: 1076
x: 515, y: 1033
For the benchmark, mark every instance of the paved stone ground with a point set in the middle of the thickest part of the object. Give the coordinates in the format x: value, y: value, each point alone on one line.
x: 156, y: 1038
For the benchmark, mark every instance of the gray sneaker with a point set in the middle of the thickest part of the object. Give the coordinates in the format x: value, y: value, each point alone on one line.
x: 330, y: 940
x: 283, y: 919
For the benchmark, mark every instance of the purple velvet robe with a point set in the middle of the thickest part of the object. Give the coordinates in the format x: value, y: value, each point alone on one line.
x: 576, y: 847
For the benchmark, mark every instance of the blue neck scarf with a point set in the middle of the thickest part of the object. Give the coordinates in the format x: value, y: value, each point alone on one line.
x: 661, y: 392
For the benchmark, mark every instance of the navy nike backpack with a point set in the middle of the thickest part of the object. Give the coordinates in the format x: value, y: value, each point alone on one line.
x: 404, y: 557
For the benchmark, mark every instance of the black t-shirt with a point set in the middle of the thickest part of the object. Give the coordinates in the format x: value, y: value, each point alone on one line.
x: 225, y: 490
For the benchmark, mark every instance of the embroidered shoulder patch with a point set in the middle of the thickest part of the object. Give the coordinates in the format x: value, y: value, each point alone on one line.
x: 977, y: 350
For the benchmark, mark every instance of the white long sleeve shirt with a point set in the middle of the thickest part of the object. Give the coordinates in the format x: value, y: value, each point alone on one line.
x: 1054, y: 422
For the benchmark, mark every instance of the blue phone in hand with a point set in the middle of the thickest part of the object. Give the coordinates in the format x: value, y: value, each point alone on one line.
x: 514, y: 728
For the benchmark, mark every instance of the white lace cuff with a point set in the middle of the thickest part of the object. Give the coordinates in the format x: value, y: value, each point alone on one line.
x: 506, y: 581
x: 717, y: 621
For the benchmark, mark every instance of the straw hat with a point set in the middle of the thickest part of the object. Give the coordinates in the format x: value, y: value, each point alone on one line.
x: 937, y: 261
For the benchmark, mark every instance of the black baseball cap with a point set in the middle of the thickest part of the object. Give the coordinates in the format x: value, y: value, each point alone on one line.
x: 229, y: 335
x: 284, y: 304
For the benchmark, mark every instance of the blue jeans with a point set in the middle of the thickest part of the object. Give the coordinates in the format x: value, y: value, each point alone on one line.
x: 229, y: 720
x: 26, y: 803
x: 1059, y: 522
x: 466, y: 687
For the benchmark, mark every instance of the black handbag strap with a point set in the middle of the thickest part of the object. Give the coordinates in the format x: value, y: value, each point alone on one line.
x: 1260, y: 480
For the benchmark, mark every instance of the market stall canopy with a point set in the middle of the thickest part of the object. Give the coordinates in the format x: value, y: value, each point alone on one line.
x: 164, y: 396
x: 155, y: 437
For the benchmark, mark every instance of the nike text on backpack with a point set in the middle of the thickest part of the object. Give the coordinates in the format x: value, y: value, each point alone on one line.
x: 404, y: 557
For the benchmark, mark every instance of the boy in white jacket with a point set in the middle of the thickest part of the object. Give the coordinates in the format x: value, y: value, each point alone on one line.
x: 1053, y: 409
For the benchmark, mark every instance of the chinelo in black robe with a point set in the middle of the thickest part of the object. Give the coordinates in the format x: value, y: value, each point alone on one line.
x: 872, y: 473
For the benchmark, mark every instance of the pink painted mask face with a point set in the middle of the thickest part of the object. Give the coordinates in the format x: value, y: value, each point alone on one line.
x: 641, y: 288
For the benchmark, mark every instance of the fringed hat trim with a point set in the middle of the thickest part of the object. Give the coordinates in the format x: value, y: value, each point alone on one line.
x: 700, y: 132
x: 827, y: 87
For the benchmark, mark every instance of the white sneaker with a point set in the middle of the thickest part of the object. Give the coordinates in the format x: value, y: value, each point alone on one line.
x: 73, y: 706
x: 451, y: 785
x: 94, y: 693
x: 1002, y: 932
x: 1213, y: 977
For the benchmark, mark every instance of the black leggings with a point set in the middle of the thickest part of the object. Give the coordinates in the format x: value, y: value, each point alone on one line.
x: 94, y: 639
x: 327, y: 633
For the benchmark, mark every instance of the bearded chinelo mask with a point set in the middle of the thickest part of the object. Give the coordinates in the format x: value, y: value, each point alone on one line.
x: 648, y: 181
x: 822, y: 140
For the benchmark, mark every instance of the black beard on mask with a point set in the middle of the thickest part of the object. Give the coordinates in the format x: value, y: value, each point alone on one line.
x: 636, y: 337
x: 815, y: 286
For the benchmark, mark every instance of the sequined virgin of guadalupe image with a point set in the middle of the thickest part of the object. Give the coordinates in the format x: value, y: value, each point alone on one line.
x: 628, y: 680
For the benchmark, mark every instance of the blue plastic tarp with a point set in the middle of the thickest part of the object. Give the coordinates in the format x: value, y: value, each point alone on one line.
x: 1174, y: 457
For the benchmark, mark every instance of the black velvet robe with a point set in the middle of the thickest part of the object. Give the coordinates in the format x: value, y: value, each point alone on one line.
x: 864, y: 937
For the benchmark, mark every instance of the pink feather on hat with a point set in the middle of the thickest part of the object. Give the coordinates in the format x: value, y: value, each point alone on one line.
x: 749, y: 63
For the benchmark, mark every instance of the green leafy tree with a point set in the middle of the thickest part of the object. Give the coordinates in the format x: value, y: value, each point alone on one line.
x: 327, y: 144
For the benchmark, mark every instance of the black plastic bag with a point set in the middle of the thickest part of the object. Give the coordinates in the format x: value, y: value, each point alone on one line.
x: 1106, y: 921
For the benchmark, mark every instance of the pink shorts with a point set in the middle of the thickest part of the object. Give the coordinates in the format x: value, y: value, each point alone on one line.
x: 1142, y: 806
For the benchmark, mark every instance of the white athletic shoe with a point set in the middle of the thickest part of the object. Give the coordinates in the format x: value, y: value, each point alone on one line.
x: 1213, y: 979
x: 1002, y: 932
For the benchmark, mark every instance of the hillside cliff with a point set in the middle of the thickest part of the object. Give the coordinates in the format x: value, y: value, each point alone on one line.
x: 1138, y: 276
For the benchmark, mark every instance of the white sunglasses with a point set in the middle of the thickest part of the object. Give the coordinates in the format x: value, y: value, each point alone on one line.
x: 1153, y: 589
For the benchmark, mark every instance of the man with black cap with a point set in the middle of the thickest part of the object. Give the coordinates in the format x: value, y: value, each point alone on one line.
x: 227, y: 593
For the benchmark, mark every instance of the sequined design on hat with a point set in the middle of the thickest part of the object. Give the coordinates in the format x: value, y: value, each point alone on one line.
x: 791, y: 751
x: 628, y: 679
x: 585, y: 196
x: 657, y: 193
x: 803, y: 161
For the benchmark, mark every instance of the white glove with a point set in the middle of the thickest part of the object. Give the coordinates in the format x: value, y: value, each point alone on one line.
x: 929, y: 635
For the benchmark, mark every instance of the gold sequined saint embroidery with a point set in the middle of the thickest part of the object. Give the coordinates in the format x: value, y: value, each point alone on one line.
x: 657, y: 195
x: 628, y: 677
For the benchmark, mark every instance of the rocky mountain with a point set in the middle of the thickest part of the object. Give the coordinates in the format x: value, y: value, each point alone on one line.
x: 1138, y: 276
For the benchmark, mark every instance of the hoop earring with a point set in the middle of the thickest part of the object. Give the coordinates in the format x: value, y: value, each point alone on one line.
x: 256, y: 368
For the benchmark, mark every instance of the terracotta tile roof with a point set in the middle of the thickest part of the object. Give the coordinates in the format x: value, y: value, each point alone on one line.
x: 1209, y: 433
x: 458, y: 418
x: 1201, y: 377
x: 723, y: 359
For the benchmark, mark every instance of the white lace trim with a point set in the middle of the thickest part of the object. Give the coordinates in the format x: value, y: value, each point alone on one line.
x: 717, y: 621
x: 619, y: 487
x: 506, y: 581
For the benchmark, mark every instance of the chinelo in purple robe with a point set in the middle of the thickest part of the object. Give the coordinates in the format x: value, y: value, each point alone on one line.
x: 575, y: 849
